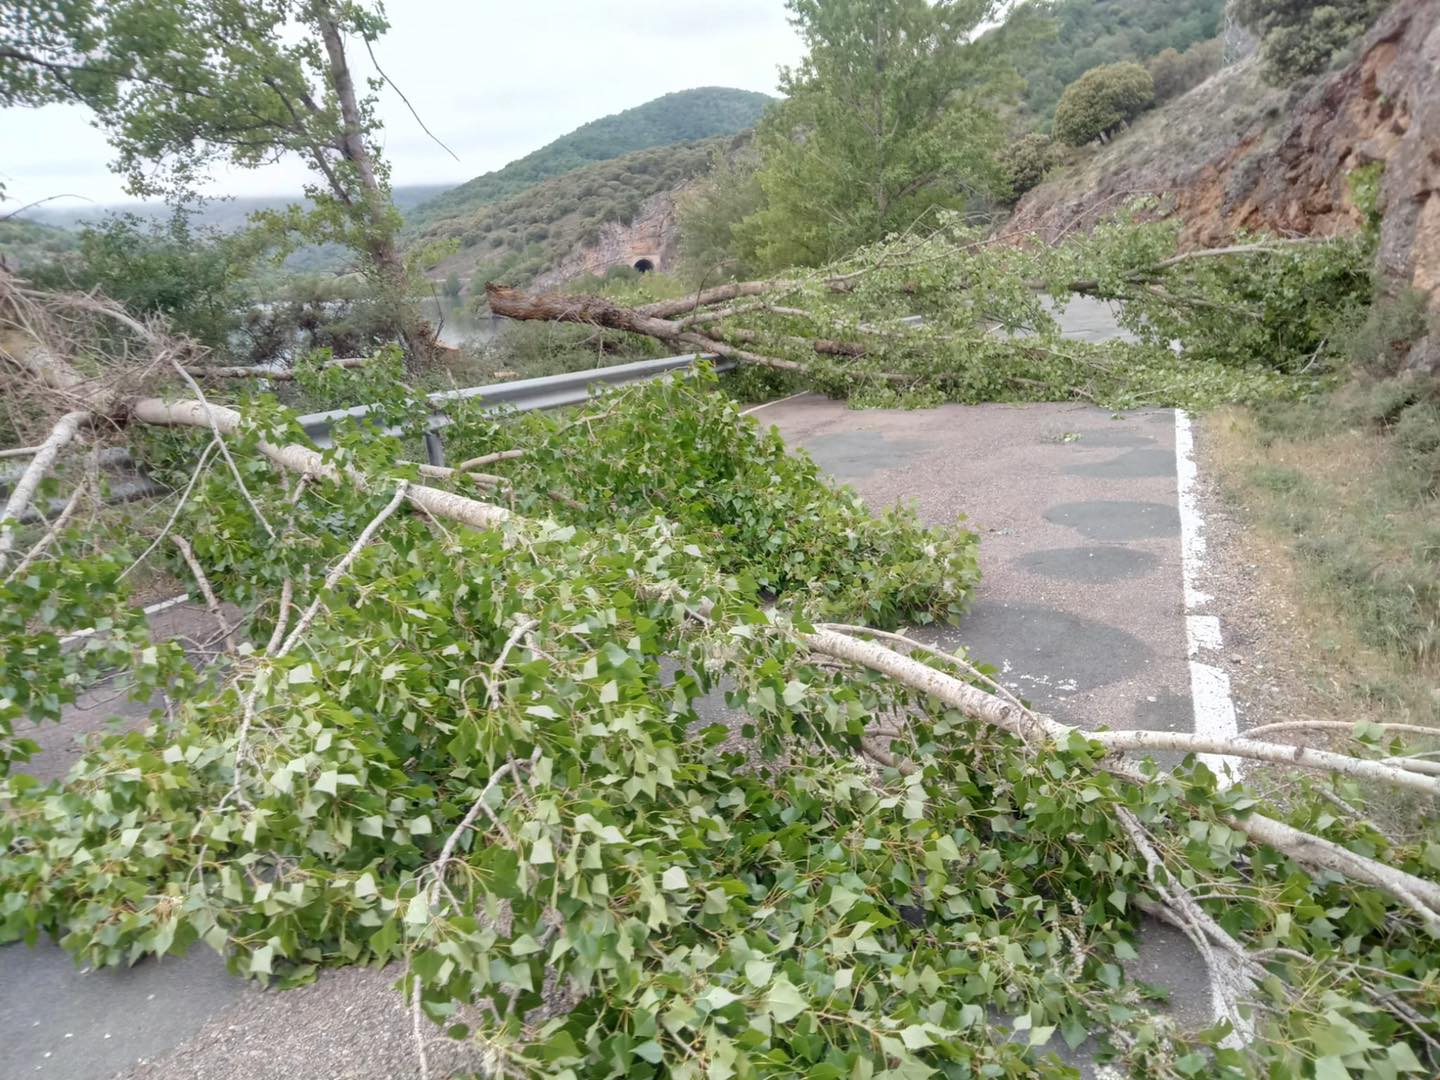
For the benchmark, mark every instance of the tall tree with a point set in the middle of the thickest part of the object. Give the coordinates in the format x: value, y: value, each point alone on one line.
x: 182, y: 85
x: 888, y: 114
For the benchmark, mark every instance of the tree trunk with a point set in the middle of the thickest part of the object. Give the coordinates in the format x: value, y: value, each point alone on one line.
x: 381, y: 220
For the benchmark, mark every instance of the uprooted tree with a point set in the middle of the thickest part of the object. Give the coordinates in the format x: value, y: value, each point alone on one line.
x: 459, y: 727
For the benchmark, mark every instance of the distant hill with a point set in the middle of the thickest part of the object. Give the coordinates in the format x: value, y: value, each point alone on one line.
x: 1094, y: 32
x: 531, y: 234
x: 226, y: 215
x: 680, y: 117
x: 27, y: 243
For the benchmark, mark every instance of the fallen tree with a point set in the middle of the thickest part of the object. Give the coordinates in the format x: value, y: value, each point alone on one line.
x: 1252, y: 317
x: 461, y: 752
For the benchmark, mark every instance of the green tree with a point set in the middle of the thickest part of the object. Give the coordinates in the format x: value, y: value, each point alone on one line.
x: 709, y: 212
x: 190, y: 276
x: 185, y: 85
x: 888, y: 115
x: 1174, y: 73
x: 1301, y: 37
x: 1101, y: 100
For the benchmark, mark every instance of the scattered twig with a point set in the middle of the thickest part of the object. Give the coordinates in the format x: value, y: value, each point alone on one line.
x: 338, y: 571
x: 211, y: 602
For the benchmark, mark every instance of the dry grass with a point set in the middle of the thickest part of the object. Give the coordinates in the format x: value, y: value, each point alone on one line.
x: 1340, y: 544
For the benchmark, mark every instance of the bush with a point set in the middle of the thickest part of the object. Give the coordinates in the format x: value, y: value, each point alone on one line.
x: 1025, y: 162
x: 1300, y: 37
x: 452, y: 285
x: 1101, y: 100
x: 1174, y: 73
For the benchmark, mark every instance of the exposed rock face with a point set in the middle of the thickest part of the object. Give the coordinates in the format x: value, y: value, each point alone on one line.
x: 1290, y: 172
x: 652, y: 235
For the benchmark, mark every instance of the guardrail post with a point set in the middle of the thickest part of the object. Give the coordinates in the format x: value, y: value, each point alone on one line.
x: 434, y: 448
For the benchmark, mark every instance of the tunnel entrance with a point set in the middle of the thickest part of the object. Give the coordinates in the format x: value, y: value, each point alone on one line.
x: 644, y: 265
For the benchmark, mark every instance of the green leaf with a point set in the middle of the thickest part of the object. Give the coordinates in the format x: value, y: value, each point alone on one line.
x: 784, y: 1000
x: 649, y: 1051
x: 674, y: 879
x: 260, y: 960
x: 300, y: 674
x: 916, y: 1037
x: 758, y: 972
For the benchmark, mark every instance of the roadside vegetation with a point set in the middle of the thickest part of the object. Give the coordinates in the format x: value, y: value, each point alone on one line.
x: 1349, y: 483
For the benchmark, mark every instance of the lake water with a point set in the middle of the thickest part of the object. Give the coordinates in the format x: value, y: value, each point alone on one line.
x: 457, y: 321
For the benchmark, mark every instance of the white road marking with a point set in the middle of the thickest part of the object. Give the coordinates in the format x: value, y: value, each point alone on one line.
x: 1192, y: 522
x: 1202, y: 632
x: 151, y: 610
x: 1214, y: 709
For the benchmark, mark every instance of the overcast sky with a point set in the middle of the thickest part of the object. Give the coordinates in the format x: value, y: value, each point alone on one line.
x: 494, y: 79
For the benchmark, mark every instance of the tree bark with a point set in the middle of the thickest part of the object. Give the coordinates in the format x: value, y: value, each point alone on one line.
x: 413, y: 330
x: 598, y: 311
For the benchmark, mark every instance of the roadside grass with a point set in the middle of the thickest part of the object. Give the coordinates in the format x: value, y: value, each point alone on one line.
x: 1346, y: 503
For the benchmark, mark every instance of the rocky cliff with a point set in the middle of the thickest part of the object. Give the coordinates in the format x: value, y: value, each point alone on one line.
x: 652, y: 235
x: 1234, y: 155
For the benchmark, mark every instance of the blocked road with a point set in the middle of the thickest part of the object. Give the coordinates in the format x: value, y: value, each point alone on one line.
x: 1080, y: 607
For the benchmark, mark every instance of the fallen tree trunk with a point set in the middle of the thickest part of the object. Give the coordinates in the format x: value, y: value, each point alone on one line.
x: 273, y: 374
x: 598, y: 311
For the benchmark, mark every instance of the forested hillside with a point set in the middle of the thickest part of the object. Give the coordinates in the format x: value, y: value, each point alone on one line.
x: 673, y: 118
x: 1094, y: 32
x: 522, y: 236
x: 24, y: 243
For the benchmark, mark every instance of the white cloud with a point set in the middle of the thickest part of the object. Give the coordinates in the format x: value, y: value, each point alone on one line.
x: 493, y: 79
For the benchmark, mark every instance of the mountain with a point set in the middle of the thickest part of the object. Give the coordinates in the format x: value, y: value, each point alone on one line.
x: 674, y: 118
x: 549, y: 230
x: 27, y: 243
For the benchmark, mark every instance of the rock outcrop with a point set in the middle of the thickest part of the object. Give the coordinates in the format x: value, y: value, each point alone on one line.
x: 652, y: 235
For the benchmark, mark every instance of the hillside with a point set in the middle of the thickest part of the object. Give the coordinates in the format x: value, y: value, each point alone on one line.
x: 529, y: 235
x: 1093, y: 32
x: 1235, y: 155
x: 680, y: 117
x: 24, y: 243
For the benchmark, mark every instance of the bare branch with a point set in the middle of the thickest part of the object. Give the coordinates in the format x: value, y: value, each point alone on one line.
x: 211, y: 602
x: 61, y: 435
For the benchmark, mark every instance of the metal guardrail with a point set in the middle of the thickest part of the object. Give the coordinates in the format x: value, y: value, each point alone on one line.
x: 521, y: 395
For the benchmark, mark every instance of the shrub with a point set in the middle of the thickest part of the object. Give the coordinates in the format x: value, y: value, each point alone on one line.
x: 1300, y: 37
x: 1025, y: 162
x: 452, y: 285
x: 1101, y: 100
x: 1174, y: 73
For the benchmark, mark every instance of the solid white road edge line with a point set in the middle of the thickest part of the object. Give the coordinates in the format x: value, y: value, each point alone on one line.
x: 1214, y: 708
